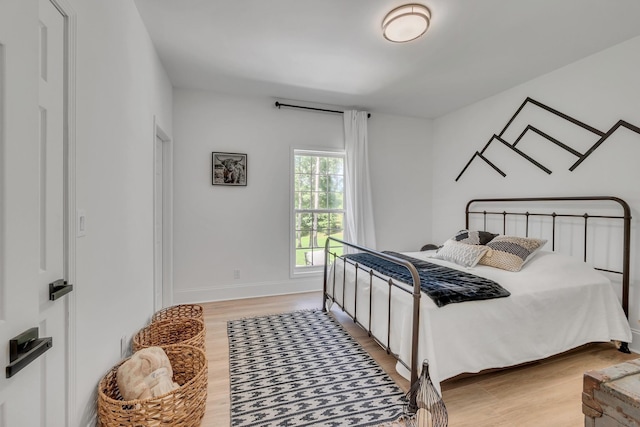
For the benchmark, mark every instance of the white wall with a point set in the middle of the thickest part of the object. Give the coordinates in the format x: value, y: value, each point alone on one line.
x: 121, y: 85
x: 220, y: 229
x: 401, y: 163
x: 598, y: 90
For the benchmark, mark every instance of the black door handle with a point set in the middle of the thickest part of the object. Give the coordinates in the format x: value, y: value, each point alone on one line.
x: 24, y: 349
x: 59, y: 288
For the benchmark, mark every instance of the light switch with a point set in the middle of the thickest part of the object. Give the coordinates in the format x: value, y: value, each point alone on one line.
x: 81, y: 223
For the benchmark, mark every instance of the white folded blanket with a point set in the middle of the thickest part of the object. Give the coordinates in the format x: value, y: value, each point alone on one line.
x: 146, y: 374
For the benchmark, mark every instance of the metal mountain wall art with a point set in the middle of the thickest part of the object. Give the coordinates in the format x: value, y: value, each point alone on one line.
x: 513, y: 146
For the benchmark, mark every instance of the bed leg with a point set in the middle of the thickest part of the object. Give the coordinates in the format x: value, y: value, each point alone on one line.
x: 624, y: 348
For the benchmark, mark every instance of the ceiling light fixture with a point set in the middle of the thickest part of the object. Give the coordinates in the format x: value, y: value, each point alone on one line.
x: 406, y: 23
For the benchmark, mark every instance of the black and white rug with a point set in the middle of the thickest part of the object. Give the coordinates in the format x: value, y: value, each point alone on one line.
x: 304, y: 369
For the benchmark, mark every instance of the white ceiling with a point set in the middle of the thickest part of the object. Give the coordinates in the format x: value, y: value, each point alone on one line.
x: 333, y: 52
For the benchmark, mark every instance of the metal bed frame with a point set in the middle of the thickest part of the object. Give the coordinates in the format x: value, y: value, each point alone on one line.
x: 413, y: 364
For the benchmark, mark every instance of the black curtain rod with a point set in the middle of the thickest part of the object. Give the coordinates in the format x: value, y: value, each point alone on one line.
x: 278, y: 104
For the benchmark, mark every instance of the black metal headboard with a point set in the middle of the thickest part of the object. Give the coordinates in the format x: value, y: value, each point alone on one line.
x: 625, y: 217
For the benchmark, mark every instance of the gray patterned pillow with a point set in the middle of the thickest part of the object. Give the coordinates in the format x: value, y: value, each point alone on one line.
x: 473, y: 237
x: 511, y: 253
x: 461, y: 253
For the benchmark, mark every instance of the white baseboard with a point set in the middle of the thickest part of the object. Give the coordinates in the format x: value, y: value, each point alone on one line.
x: 247, y: 290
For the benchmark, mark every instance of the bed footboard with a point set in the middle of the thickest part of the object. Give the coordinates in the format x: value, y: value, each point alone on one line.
x: 384, y: 342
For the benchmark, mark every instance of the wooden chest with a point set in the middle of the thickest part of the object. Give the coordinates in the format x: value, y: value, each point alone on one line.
x: 611, y: 396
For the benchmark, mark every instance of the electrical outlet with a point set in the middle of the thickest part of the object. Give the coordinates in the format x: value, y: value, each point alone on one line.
x: 236, y: 274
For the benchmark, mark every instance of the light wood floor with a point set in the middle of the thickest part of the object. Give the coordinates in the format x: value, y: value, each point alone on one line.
x: 544, y: 393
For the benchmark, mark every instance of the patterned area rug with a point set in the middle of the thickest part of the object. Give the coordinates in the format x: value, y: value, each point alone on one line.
x: 304, y: 369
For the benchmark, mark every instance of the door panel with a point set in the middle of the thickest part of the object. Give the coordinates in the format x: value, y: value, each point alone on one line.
x: 19, y: 205
x: 52, y: 314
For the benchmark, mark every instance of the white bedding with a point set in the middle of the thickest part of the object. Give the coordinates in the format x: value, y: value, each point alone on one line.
x: 557, y: 303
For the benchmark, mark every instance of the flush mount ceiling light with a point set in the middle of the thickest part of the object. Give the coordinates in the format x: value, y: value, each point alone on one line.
x: 406, y: 23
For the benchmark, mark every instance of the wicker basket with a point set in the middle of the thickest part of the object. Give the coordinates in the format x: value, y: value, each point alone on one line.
x: 191, y: 311
x: 182, y: 407
x: 171, y: 331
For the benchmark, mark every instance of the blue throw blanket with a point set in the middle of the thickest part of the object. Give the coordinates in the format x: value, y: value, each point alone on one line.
x: 443, y: 285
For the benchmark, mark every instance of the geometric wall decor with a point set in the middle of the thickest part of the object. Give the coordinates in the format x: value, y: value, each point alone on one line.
x: 580, y: 157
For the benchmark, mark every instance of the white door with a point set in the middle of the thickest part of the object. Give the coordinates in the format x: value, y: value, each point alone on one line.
x: 32, y: 214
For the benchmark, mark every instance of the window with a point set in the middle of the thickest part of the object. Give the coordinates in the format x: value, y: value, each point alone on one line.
x: 318, y: 206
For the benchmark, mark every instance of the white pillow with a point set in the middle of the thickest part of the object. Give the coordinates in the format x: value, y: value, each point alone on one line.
x: 461, y: 253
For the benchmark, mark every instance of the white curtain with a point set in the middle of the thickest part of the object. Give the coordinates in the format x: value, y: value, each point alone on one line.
x: 359, y: 226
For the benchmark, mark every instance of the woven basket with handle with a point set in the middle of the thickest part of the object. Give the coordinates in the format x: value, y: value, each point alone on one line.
x: 183, y: 407
x: 171, y: 331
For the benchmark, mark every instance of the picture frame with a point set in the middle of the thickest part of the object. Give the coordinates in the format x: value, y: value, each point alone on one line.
x: 229, y: 169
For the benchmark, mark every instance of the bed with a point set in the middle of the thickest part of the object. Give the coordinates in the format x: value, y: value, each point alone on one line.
x: 554, y: 303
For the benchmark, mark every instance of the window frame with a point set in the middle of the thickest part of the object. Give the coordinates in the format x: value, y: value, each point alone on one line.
x: 298, y: 271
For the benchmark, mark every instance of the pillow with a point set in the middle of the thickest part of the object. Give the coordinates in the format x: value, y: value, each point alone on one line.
x: 511, y: 253
x: 461, y: 253
x: 473, y: 237
x: 429, y: 247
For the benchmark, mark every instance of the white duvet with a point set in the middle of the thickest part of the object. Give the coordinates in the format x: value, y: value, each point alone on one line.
x: 557, y: 303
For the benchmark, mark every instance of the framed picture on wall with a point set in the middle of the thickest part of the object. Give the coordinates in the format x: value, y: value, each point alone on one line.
x: 229, y: 169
